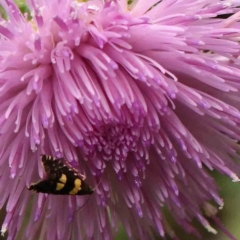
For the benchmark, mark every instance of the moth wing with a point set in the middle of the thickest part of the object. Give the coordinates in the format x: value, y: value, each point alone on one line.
x: 61, y: 178
x: 52, y: 167
x: 72, y: 171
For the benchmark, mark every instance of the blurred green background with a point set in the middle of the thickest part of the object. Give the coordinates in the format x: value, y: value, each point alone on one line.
x: 229, y: 216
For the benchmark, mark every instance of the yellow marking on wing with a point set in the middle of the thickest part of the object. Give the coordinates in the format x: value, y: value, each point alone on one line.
x: 63, y: 178
x: 77, y: 187
x: 60, y: 186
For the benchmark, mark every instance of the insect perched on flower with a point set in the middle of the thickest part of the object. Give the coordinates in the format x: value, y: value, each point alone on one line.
x: 144, y: 96
x: 61, y: 179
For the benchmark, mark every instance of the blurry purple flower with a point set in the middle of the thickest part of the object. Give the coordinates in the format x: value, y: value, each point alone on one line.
x: 143, y: 98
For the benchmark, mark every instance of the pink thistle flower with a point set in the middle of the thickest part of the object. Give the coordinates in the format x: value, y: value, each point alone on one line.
x: 143, y: 98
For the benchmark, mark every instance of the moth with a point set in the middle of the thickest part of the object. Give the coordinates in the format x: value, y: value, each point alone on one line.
x: 61, y: 179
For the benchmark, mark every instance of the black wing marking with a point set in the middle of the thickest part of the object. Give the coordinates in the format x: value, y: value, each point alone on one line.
x: 61, y: 179
x: 54, y: 166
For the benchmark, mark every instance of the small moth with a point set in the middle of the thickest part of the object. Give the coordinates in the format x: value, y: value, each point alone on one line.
x: 62, y: 179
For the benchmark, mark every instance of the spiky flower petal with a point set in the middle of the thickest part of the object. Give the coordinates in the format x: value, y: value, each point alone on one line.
x: 143, y: 98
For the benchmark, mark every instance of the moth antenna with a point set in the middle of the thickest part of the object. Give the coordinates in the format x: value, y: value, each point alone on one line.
x: 100, y: 180
x: 82, y: 205
x: 89, y: 196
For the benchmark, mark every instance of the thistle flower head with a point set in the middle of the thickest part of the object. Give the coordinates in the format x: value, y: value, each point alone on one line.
x: 141, y: 97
